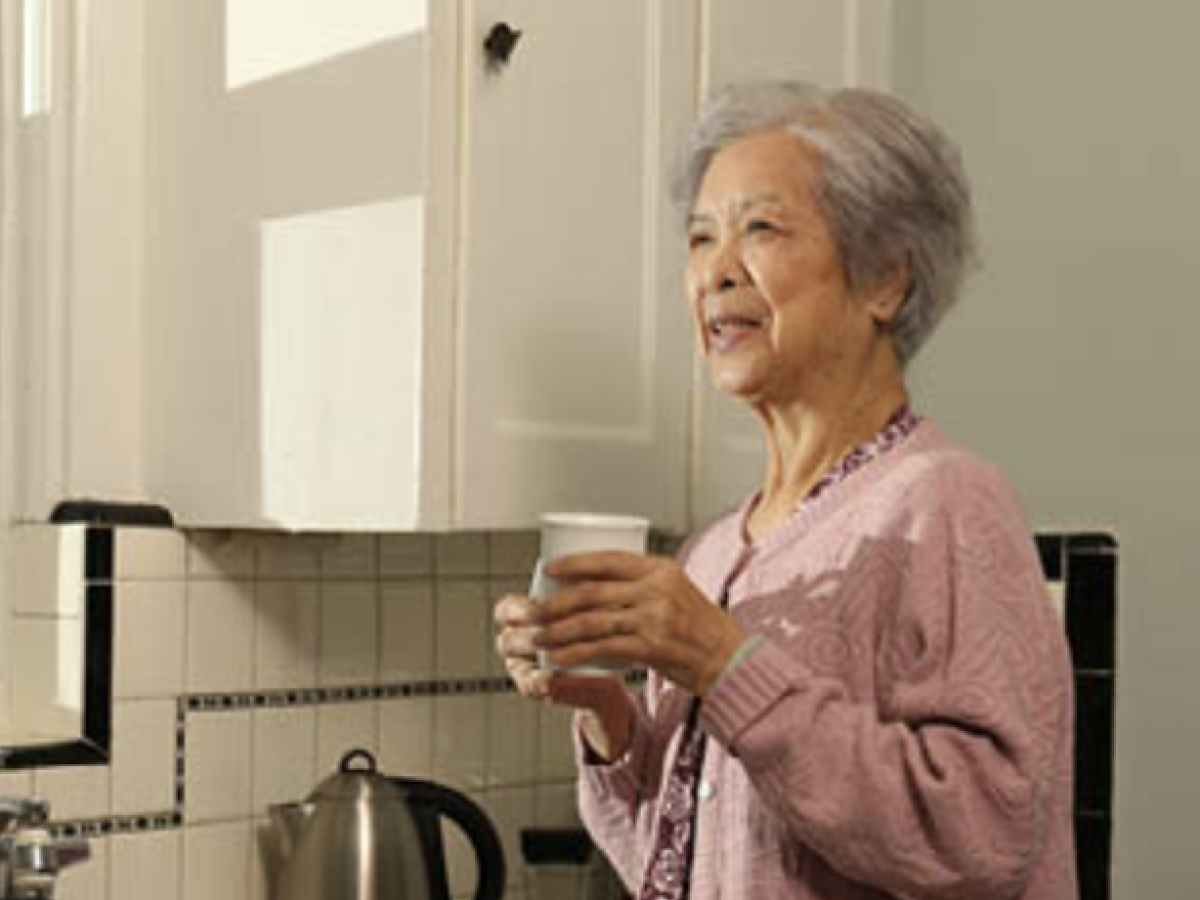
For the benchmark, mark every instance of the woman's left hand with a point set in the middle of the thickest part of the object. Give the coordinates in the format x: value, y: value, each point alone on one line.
x: 635, y: 609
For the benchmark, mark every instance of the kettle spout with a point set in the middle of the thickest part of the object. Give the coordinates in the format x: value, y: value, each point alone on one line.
x: 287, y: 824
x: 279, y: 838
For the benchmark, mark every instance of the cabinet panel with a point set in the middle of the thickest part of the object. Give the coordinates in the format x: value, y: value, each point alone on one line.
x: 290, y: 205
x: 574, y: 330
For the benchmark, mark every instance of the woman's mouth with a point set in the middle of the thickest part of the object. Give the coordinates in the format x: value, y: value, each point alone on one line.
x: 728, y: 330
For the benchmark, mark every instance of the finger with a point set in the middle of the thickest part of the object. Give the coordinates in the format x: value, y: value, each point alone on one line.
x: 514, y: 610
x: 600, y: 565
x: 517, y: 643
x: 622, y: 650
x: 531, y: 681
x: 589, y: 625
x: 586, y: 597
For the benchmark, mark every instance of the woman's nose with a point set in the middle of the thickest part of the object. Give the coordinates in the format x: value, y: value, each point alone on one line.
x: 722, y: 269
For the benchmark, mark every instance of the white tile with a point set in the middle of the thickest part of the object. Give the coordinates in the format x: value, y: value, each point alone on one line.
x: 513, y: 553
x: 511, y: 811
x: 406, y: 736
x: 349, y: 642
x: 464, y: 629
x: 46, y: 673
x: 342, y: 727
x: 74, y: 792
x: 512, y: 740
x: 216, y: 862
x: 220, y: 635
x: 146, y: 866
x: 290, y: 556
x: 87, y: 880
x: 287, y: 634
x: 149, y: 554
x: 219, y: 766
x: 461, y: 865
x: 406, y: 626
x: 461, y: 554
x: 150, y: 629
x: 143, y: 756
x: 285, y: 753
x: 220, y: 554
x: 405, y: 554
x: 46, y: 569
x: 16, y: 784
x: 264, y: 860
x: 351, y: 556
x: 460, y: 741
x: 556, y: 754
x: 556, y: 805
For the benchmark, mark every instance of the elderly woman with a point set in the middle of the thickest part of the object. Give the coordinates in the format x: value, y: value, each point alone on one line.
x: 858, y: 686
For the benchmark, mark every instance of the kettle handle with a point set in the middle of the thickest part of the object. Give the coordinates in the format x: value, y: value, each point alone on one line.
x: 429, y: 802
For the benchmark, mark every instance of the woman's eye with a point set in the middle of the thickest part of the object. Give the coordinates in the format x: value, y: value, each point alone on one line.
x: 760, y: 226
x: 698, y: 239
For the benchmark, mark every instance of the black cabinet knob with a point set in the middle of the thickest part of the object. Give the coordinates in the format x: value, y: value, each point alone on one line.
x: 499, y: 44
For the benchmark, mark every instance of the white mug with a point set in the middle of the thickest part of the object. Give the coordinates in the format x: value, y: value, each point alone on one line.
x: 564, y: 533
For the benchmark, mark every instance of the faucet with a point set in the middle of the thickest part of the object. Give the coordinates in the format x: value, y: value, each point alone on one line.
x: 30, y: 857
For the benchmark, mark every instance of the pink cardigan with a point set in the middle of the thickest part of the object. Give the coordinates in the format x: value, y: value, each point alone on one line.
x: 905, y: 728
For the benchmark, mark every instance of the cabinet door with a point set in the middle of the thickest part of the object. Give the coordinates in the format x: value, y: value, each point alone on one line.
x: 830, y: 43
x: 575, y: 338
x: 289, y: 211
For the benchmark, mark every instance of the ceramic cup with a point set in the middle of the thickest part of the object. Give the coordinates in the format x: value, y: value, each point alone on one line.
x: 564, y: 533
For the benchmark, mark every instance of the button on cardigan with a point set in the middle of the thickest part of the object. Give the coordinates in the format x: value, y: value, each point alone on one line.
x: 903, y: 730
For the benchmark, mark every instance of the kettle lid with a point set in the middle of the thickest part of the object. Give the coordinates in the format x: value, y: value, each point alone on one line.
x: 356, y: 783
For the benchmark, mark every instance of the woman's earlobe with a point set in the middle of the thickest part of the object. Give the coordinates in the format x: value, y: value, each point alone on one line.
x: 885, y: 307
x: 889, y: 295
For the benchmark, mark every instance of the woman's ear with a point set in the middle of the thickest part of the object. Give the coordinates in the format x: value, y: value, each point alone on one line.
x: 889, y: 295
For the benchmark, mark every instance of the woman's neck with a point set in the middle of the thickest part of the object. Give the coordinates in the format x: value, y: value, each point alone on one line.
x: 805, y: 439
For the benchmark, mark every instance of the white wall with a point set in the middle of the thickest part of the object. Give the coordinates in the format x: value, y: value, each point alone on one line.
x: 1071, y: 362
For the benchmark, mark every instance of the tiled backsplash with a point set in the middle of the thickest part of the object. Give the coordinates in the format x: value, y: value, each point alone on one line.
x: 246, y: 664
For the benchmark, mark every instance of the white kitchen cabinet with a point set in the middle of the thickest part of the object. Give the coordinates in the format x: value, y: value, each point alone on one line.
x: 393, y: 286
x: 831, y: 42
x: 322, y: 267
x: 575, y: 338
x: 70, y: 225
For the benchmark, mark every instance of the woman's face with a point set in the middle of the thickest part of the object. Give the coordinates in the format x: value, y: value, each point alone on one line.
x: 775, y: 318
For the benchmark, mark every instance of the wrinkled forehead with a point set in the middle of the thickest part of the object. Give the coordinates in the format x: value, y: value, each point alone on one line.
x: 762, y: 170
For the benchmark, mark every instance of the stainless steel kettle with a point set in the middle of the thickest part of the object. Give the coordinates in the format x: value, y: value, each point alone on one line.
x: 361, y: 835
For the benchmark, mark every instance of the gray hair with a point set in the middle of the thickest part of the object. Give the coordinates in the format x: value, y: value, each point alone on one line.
x: 890, y: 184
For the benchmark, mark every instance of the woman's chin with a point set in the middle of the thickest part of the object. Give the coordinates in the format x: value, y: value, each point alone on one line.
x: 739, y: 385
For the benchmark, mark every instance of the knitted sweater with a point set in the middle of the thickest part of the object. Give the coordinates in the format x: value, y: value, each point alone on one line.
x: 903, y: 731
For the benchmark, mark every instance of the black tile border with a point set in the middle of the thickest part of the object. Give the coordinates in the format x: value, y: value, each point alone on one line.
x: 1091, y: 611
x: 1050, y: 553
x: 247, y: 701
x: 1093, y: 855
x: 1094, y: 730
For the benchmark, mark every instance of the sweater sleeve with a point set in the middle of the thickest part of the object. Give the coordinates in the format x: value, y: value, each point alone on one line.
x: 612, y: 795
x: 941, y: 787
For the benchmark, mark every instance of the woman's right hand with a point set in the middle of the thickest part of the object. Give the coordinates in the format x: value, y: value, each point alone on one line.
x: 515, y: 628
x: 608, y: 708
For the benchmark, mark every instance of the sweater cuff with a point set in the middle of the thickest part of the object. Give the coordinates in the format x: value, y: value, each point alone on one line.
x: 743, y: 694
x: 618, y: 778
x: 744, y: 649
